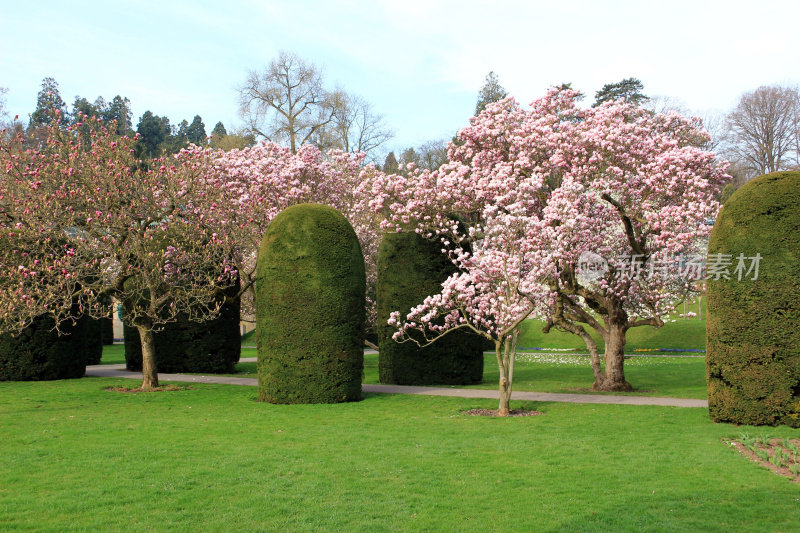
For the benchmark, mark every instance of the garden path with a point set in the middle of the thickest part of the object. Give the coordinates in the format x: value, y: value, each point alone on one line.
x: 118, y: 371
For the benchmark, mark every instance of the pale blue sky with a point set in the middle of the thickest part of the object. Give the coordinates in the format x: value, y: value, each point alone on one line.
x: 420, y: 63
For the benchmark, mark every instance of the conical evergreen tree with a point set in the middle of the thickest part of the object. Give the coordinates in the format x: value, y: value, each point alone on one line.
x: 48, y: 100
x: 491, y: 91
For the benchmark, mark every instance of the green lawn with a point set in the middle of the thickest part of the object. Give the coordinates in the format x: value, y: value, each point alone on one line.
x: 75, y: 457
x: 674, y: 377
x: 113, y: 354
x: 650, y: 376
x: 678, y: 335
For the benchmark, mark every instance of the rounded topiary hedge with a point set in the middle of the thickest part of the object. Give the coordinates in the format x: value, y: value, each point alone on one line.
x: 753, y: 326
x: 310, y: 308
x: 212, y: 347
x: 411, y: 268
x: 40, y: 353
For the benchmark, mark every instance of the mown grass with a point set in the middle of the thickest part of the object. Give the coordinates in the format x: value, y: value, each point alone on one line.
x: 75, y: 457
x: 679, y: 335
x: 676, y: 334
x: 656, y: 376
x: 673, y: 377
x: 113, y: 354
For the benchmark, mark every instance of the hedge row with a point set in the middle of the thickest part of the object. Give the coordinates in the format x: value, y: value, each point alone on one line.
x: 213, y: 346
x: 40, y: 353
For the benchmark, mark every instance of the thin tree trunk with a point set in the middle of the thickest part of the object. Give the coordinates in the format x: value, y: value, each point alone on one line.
x: 149, y: 369
x: 505, y: 381
x: 614, y: 377
x: 505, y: 397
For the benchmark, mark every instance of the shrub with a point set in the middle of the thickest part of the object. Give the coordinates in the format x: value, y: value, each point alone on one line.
x: 92, y: 339
x: 107, y: 324
x: 310, y: 308
x: 40, y: 353
x: 753, y: 327
x: 411, y: 268
x: 212, y: 347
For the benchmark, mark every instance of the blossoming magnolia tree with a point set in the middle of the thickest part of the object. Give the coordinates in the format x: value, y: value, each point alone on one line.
x: 81, y: 218
x: 538, y: 189
x: 245, y: 189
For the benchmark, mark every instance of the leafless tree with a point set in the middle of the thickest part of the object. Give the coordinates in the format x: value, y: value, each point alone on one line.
x: 3, y: 111
x: 355, y: 126
x: 763, y: 129
x: 433, y: 154
x: 715, y: 123
x: 286, y: 101
x: 664, y: 104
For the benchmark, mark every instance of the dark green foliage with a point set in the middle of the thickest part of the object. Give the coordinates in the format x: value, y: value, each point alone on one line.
x: 119, y: 110
x: 219, y: 130
x: 390, y: 164
x: 81, y: 106
x: 629, y: 89
x: 491, y: 92
x: 310, y: 302
x: 39, y: 353
x: 753, y: 327
x: 47, y: 101
x: 92, y: 335
x: 107, y: 324
x: 186, y: 346
x: 196, y: 131
x: 153, y: 131
x: 107, y: 330
x: 411, y: 268
x: 727, y: 192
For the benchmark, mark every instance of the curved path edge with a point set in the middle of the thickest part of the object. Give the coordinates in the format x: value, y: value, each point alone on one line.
x: 118, y: 371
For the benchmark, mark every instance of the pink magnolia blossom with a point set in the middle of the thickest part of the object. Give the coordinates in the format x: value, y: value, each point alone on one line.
x: 98, y: 222
x: 537, y: 189
x: 245, y: 189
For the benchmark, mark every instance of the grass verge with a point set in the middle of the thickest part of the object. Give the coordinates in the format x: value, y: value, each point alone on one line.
x: 672, y: 377
x: 75, y: 457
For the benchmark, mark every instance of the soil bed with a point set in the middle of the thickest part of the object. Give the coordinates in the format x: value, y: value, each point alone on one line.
x: 786, y: 466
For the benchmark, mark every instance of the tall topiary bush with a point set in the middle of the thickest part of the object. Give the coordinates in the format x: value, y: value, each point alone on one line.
x: 753, y: 327
x: 310, y: 308
x: 411, y: 268
x: 212, y: 347
x: 40, y: 353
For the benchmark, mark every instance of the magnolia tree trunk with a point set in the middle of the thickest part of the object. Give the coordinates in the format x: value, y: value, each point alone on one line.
x: 613, y: 379
x: 505, y: 398
x: 505, y: 394
x: 149, y: 369
x: 505, y: 352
